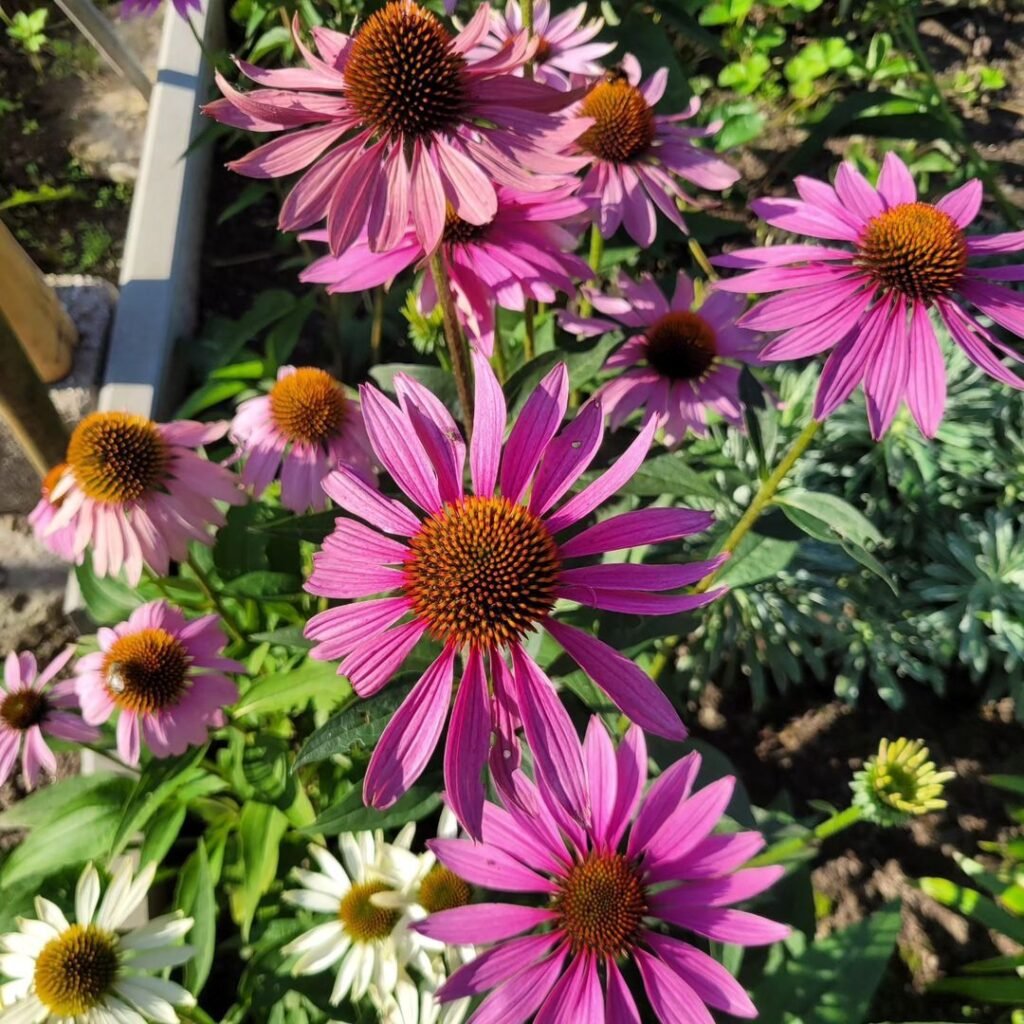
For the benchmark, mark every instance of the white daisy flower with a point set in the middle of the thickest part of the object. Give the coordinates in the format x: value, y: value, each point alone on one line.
x: 369, y: 938
x: 416, y: 1004
x: 94, y: 971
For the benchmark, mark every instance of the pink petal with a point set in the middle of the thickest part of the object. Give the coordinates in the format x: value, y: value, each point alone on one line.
x: 354, y: 495
x: 691, y: 821
x: 895, y: 182
x: 495, y: 965
x: 619, y: 1007
x: 518, y: 999
x: 886, y: 380
x: 576, y: 996
x: 673, y: 1000
x: 856, y: 194
x: 428, y: 203
x: 963, y: 204
x: 632, y: 691
x: 371, y: 666
x: 635, y: 529
x: 486, y: 865
x: 483, y: 922
x: 566, y: 457
x: 469, y: 740
x: 488, y: 428
x: 727, y: 925
x: 669, y: 790
x: 926, y: 385
x: 602, y: 778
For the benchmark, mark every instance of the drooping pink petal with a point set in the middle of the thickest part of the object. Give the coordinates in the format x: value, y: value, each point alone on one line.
x: 619, y: 1007
x: 672, y: 999
x: 495, y: 965
x: 926, y: 384
x: 727, y: 925
x: 576, y: 996
x: 469, y: 740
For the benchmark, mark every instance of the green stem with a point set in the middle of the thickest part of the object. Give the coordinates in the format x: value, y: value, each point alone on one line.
x: 765, y: 493
x: 701, y: 257
x: 456, y: 342
x: 377, y: 326
x: 594, y: 259
x: 500, y: 358
x: 230, y: 623
x: 529, y: 332
x: 787, y: 849
x: 907, y: 23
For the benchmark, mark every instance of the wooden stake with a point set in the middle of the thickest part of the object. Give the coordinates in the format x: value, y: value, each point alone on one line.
x: 34, y: 312
x: 25, y: 404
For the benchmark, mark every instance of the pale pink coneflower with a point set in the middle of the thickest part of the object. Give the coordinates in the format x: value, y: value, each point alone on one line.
x: 32, y: 709
x: 524, y: 252
x: 869, y: 297
x: 134, y: 493
x: 565, y: 45
x: 635, y: 156
x: 683, y: 363
x: 301, y: 430
x: 165, y: 678
x: 397, y: 122
x: 478, y: 572
x: 627, y: 888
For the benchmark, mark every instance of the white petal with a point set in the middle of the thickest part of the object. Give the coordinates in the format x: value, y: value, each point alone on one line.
x: 26, y: 945
x: 17, y: 965
x: 321, y: 883
x: 318, y: 902
x: 12, y: 991
x: 146, y: 1002
x: 120, y: 1013
x: 110, y: 913
x: 346, y: 972
x: 330, y: 865
x: 157, y: 959
x: 87, y: 895
x: 352, y: 857
x: 364, y: 970
x: 404, y: 838
x: 51, y: 914
x: 161, y: 931
x: 169, y: 991
x: 320, y: 958
x: 448, y: 825
x: 28, y: 1011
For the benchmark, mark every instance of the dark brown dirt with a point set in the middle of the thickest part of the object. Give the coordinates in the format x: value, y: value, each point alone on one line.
x: 810, y: 750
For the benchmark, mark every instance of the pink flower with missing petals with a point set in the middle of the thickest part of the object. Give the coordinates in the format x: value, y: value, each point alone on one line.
x: 164, y: 675
x: 477, y: 572
x: 135, y: 492
x: 146, y: 8
x: 303, y: 428
x: 398, y: 121
x: 635, y: 155
x: 870, y: 297
x: 31, y: 709
x: 601, y: 895
x: 61, y: 541
x: 564, y: 42
x: 682, y: 364
x: 524, y: 252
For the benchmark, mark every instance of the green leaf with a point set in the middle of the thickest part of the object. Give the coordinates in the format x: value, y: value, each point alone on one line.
x: 108, y: 600
x: 756, y: 558
x: 349, y: 814
x: 1000, y: 991
x: 161, y: 834
x: 433, y: 378
x: 262, y: 584
x: 839, y: 516
x: 356, y: 728
x: 583, y: 365
x: 212, y: 393
x: 652, y: 46
x: 196, y: 898
x: 293, y: 689
x: 260, y: 830
x: 669, y: 474
x: 1011, y: 783
x: 287, y: 636
x: 314, y: 526
x: 834, y: 979
x: 157, y: 782
x: 974, y: 905
x: 50, y: 804
x: 738, y: 130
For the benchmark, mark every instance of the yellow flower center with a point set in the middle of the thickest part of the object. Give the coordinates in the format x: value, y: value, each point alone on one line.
x: 362, y: 919
x: 23, y: 709
x: 482, y: 572
x: 681, y: 346
x: 117, y: 457
x: 146, y: 671
x: 402, y: 75
x: 601, y: 904
x: 76, y: 970
x: 442, y: 889
x: 308, y: 406
x: 914, y: 249
x: 623, y: 127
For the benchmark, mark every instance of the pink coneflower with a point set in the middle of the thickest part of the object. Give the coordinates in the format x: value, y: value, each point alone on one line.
x: 30, y: 710
x: 132, y: 8
x: 869, y: 301
x: 525, y: 251
x: 478, y: 572
x: 135, y: 492
x: 601, y: 895
x: 408, y: 122
x: 684, y: 362
x: 304, y: 428
x: 564, y: 46
x: 635, y: 155
x: 61, y: 541
x: 164, y: 674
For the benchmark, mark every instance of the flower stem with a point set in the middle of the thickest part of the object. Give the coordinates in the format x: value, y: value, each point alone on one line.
x: 766, y: 492
x: 456, y: 342
x: 500, y: 359
x: 787, y: 849
x: 701, y: 257
x: 230, y: 623
x: 594, y: 259
x: 377, y: 326
x: 529, y: 332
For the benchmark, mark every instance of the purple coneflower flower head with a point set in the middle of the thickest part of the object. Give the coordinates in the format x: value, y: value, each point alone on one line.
x: 869, y: 298
x: 592, y: 898
x: 636, y: 156
x: 300, y: 431
x: 32, y: 707
x: 135, y: 492
x: 684, y: 362
x: 478, y: 572
x: 525, y: 251
x: 565, y: 45
x: 62, y: 540
x: 146, y: 8
x: 398, y: 122
x: 164, y: 675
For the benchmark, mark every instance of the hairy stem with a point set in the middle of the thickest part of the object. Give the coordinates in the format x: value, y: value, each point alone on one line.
x: 456, y: 342
x: 594, y: 259
x: 230, y: 623
x: 500, y: 358
x: 786, y: 849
